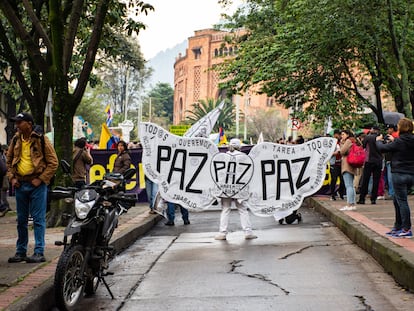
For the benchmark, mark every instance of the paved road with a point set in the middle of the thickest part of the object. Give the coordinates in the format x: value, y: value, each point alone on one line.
x: 306, y: 266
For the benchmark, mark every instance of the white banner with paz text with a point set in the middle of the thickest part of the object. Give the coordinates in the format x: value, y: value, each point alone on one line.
x: 180, y: 166
x: 286, y: 174
x: 273, y: 179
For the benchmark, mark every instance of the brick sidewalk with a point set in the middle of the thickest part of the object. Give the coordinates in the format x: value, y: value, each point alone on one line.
x: 21, y: 283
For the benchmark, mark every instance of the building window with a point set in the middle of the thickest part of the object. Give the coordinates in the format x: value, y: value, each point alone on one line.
x: 216, y: 53
x: 197, y: 52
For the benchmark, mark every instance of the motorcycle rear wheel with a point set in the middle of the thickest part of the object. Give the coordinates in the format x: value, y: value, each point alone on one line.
x: 69, y: 282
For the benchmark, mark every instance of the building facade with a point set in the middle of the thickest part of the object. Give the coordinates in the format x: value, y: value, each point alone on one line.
x: 194, y: 81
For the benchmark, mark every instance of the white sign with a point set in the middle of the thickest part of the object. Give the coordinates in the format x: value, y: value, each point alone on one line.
x: 272, y: 179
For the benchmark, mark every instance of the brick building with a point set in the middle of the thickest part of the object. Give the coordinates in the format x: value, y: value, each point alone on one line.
x: 193, y: 81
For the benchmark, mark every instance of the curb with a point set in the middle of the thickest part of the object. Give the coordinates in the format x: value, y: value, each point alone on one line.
x: 42, y: 297
x: 396, y: 260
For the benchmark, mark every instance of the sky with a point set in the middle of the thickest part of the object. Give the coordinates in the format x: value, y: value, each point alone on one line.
x: 173, y: 21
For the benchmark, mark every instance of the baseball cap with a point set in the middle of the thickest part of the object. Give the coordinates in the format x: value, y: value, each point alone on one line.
x: 23, y: 116
x: 234, y: 142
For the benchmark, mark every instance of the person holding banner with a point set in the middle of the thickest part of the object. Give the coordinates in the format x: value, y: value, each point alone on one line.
x: 171, y: 214
x: 226, y: 203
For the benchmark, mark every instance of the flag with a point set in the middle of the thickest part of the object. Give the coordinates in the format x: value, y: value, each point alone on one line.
x: 107, y: 139
x: 221, y: 138
x: 204, y: 126
x: 108, y: 115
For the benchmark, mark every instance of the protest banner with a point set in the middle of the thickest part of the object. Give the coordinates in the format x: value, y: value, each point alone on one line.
x: 272, y: 179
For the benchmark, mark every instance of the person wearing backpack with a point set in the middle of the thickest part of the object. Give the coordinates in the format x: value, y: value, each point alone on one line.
x: 31, y: 164
x: 348, y: 171
x: 372, y: 166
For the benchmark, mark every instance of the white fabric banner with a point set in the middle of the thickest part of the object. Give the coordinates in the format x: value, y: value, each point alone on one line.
x: 272, y: 179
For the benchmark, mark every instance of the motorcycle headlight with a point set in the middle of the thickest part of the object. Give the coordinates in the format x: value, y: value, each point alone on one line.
x: 84, y: 201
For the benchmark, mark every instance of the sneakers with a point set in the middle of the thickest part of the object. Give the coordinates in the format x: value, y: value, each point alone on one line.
x: 17, y: 258
x: 220, y: 237
x: 392, y: 232
x: 348, y: 208
x: 4, y: 212
x: 403, y: 234
x: 333, y: 198
x: 36, y: 258
x: 169, y: 223
x: 250, y: 236
x: 186, y: 222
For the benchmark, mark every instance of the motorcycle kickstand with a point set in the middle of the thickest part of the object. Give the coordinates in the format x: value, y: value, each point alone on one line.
x: 101, y: 278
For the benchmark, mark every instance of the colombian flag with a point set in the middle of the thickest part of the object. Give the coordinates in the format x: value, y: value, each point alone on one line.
x: 107, y: 140
x: 108, y: 115
x: 221, y: 139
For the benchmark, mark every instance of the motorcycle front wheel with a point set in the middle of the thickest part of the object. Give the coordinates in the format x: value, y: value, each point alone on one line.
x: 69, y: 280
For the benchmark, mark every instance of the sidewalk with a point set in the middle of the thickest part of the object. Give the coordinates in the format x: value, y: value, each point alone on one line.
x: 30, y: 286
x: 26, y: 286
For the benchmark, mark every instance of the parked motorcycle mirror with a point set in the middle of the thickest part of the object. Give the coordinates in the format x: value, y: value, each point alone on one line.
x: 129, y: 173
x: 65, y: 166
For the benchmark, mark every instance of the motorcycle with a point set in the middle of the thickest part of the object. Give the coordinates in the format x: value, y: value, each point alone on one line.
x: 84, y: 261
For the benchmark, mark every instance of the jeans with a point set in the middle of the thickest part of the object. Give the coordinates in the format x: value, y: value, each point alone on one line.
x: 402, y: 184
x: 349, y: 186
x: 171, y: 212
x: 151, y: 189
x: 389, y: 179
x: 31, y: 200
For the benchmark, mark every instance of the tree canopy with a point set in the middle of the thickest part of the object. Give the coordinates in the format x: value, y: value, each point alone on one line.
x: 54, y: 45
x: 320, y: 58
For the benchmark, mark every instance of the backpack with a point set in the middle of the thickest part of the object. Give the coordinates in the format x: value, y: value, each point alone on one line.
x: 356, y: 156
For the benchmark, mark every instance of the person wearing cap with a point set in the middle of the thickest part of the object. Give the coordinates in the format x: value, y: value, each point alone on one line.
x: 234, y: 150
x: 372, y: 166
x: 31, y: 164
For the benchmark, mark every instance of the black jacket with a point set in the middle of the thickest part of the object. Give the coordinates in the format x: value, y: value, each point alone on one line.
x: 402, y: 149
x: 374, y: 155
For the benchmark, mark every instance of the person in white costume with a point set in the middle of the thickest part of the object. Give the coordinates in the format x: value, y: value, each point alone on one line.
x: 226, y: 203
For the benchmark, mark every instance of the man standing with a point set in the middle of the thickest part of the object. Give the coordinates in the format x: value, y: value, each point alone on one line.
x: 372, y: 165
x: 234, y: 150
x: 31, y: 163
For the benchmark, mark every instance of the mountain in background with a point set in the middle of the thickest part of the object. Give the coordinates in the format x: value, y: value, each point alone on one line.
x: 163, y: 65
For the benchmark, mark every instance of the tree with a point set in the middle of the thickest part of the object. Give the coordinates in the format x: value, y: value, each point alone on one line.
x: 61, y: 40
x: 326, y: 55
x: 201, y: 108
x: 161, y: 100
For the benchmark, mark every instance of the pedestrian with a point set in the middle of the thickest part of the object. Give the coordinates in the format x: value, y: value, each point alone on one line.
x: 372, y: 165
x: 335, y: 169
x: 151, y: 189
x: 4, y: 183
x: 123, y: 159
x: 171, y: 214
x: 31, y: 164
x: 402, y: 168
x: 81, y: 157
x: 226, y: 203
x: 391, y: 130
x: 348, y: 171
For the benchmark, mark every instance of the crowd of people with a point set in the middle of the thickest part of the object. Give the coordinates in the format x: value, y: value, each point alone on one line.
x: 30, y: 162
x: 388, y: 166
